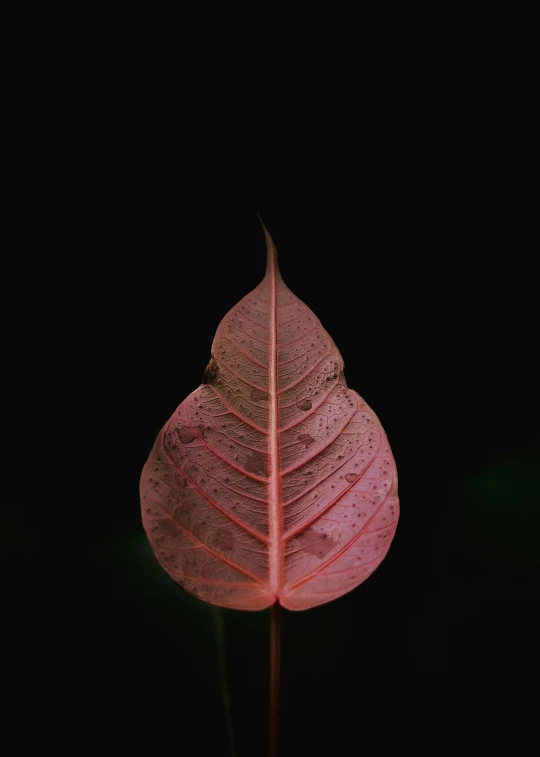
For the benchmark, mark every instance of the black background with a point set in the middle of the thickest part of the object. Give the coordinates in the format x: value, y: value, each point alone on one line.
x: 413, y: 246
x: 421, y: 289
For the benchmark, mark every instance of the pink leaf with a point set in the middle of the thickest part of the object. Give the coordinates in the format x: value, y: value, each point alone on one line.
x: 272, y: 481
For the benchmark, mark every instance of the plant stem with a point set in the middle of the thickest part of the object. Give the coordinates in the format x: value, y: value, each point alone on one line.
x: 275, y: 675
x: 223, y: 677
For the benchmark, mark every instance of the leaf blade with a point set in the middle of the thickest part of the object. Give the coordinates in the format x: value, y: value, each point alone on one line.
x: 273, y: 469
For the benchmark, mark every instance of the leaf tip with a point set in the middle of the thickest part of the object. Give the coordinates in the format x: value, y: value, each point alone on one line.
x: 272, y: 267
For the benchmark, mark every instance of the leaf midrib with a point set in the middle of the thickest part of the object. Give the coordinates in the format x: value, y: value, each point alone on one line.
x: 275, y: 514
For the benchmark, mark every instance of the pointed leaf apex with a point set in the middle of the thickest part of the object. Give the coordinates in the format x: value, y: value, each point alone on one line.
x: 272, y: 267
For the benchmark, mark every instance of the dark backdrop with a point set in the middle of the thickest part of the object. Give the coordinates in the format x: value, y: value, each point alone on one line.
x: 403, y: 206
x: 419, y: 286
x: 417, y: 255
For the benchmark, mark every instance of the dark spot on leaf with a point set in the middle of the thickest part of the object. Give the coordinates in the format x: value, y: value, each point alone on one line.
x: 211, y: 372
x: 314, y: 543
x: 257, y: 463
x: 185, y: 435
x: 350, y: 477
x: 304, y: 405
x: 222, y: 540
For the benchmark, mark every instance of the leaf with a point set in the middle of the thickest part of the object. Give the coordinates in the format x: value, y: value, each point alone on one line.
x: 272, y: 481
